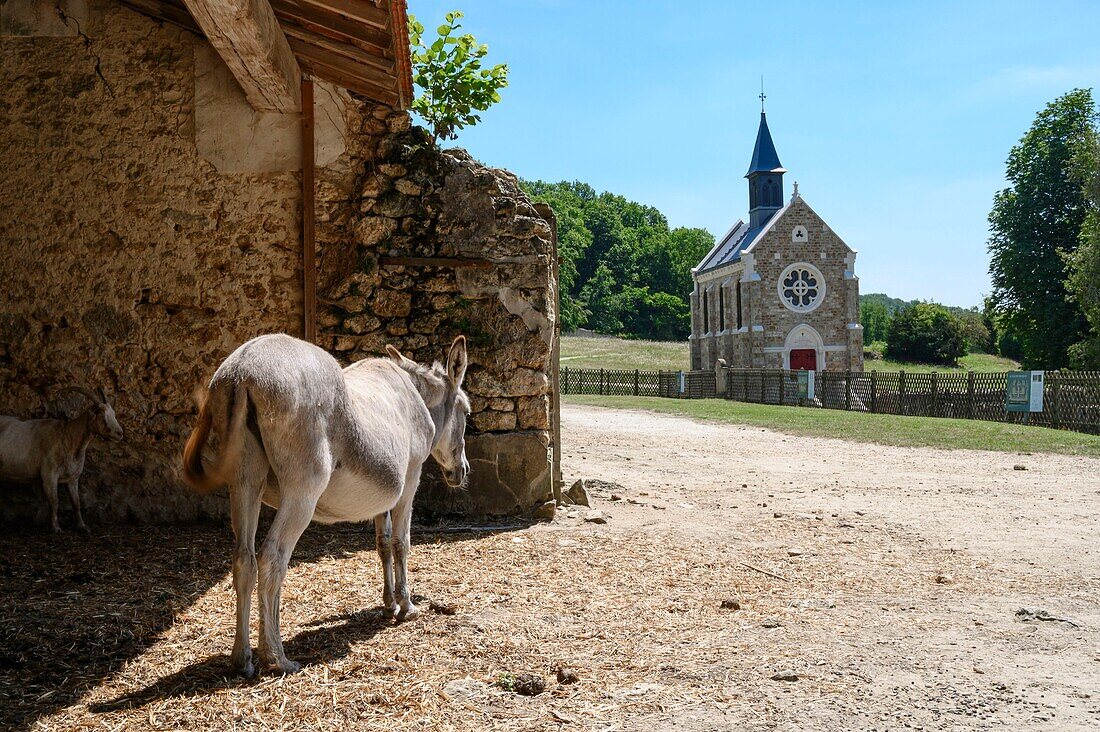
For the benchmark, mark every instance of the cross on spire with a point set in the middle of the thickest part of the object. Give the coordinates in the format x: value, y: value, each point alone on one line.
x: 763, y: 96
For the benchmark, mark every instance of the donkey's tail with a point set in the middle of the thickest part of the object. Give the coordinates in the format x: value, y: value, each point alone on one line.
x: 207, y: 478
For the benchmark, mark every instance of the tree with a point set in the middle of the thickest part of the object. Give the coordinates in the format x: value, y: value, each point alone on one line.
x: 622, y: 269
x: 657, y: 316
x: 454, y: 86
x: 926, y: 333
x: 976, y: 333
x: 1035, y: 225
x: 875, y: 319
x: 599, y: 298
x: 1084, y: 263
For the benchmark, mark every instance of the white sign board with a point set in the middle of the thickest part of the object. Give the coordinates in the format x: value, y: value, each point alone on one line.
x: 1038, y: 378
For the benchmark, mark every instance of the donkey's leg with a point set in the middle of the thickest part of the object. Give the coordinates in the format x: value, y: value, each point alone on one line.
x: 49, y: 488
x: 402, y: 519
x: 244, y: 503
x: 74, y: 498
x: 292, y: 519
x: 383, y: 540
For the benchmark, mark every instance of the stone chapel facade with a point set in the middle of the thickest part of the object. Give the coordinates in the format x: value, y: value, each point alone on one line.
x: 780, y: 291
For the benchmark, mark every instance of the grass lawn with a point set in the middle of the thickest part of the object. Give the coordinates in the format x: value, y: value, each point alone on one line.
x: 883, y: 429
x: 982, y: 362
x: 619, y: 353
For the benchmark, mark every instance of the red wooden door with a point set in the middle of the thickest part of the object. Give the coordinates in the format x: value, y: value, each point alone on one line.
x: 803, y: 359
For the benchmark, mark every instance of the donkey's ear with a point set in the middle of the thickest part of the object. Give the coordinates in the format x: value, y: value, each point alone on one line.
x: 457, y: 361
x: 399, y: 358
x: 102, y: 395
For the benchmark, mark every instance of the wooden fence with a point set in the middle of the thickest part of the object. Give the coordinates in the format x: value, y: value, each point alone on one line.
x: 1071, y: 399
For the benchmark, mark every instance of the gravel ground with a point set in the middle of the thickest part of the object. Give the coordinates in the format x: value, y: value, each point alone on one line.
x: 743, y: 580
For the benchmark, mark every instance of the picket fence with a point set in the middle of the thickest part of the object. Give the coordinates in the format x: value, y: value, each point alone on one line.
x: 1071, y: 399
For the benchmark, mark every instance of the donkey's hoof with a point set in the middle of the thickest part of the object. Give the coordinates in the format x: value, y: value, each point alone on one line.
x: 287, y: 667
x: 247, y: 670
x: 406, y: 614
x: 391, y: 610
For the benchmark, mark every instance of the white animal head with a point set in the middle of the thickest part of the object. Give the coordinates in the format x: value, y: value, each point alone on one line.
x: 104, y: 422
x: 441, y: 388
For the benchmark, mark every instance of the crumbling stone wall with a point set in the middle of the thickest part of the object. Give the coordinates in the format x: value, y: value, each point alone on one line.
x: 418, y: 246
x: 137, y: 260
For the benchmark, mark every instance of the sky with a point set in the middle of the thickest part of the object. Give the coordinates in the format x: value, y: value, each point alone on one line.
x: 895, y: 118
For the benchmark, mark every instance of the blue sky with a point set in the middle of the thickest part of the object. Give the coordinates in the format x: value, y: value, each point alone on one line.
x: 894, y: 117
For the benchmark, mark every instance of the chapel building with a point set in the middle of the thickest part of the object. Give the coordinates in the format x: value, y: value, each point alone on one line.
x: 778, y: 292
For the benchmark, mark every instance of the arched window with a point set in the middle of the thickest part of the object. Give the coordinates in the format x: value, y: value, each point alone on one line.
x: 721, y: 307
x: 706, y: 312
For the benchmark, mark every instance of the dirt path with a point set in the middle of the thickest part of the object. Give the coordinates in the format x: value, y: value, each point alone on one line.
x: 882, y: 583
x: 950, y: 544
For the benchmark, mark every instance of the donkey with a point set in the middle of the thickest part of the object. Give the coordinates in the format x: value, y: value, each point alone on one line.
x: 317, y: 442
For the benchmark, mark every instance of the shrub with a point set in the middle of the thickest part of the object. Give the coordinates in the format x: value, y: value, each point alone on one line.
x: 926, y: 333
x: 454, y: 87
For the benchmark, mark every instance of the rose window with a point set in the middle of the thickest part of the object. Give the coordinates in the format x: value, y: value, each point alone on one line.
x: 801, y: 287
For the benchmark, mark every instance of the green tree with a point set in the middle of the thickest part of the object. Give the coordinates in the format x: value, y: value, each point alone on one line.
x: 622, y: 269
x: 1035, y: 224
x: 976, y: 333
x: 599, y: 298
x: 926, y: 333
x: 1084, y: 263
x: 454, y: 86
x: 875, y: 319
x: 657, y: 316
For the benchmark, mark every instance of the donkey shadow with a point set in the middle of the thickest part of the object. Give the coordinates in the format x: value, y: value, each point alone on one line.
x: 75, y: 610
x: 319, y: 645
x: 327, y: 640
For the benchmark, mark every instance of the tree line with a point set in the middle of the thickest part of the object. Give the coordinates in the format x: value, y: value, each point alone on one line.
x: 623, y: 270
x: 923, y: 332
x: 1045, y: 241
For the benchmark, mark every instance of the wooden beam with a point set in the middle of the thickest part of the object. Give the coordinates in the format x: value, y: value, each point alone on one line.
x: 309, y: 241
x: 247, y: 36
x: 332, y: 24
x: 350, y: 82
x: 348, y: 65
x: 434, y: 262
x: 303, y: 36
x: 359, y: 10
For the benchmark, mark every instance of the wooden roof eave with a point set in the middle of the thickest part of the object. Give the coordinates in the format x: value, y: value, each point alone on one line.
x: 360, y: 45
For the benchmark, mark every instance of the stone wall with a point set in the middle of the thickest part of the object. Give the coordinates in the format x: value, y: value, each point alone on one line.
x: 151, y: 222
x: 418, y: 246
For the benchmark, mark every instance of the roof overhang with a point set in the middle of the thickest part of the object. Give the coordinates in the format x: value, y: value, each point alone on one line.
x: 358, y: 45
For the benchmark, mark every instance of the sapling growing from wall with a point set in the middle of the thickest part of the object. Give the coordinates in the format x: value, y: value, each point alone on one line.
x: 448, y: 73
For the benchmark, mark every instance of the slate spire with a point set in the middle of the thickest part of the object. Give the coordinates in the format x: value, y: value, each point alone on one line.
x: 765, y: 177
x: 764, y: 157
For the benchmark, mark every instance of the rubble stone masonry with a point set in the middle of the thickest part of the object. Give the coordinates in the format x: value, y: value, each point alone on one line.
x: 142, y: 243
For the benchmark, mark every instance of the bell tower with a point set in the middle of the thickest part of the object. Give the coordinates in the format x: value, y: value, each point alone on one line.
x: 765, y: 176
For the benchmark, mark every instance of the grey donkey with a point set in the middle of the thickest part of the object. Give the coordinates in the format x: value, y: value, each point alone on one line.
x: 326, y: 444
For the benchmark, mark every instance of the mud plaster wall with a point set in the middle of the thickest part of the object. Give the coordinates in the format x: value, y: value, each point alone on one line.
x: 143, y: 241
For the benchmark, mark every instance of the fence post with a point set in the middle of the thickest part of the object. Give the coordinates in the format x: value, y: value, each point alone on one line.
x: 874, y: 390
x: 901, y: 392
x: 635, y: 382
x: 601, y: 381
x: 970, y: 393
x: 1056, y: 402
x: 935, y: 396
x: 763, y: 386
x: 847, y: 391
